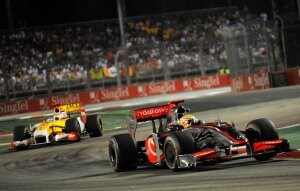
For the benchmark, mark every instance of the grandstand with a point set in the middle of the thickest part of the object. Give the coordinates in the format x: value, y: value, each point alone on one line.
x: 51, y: 60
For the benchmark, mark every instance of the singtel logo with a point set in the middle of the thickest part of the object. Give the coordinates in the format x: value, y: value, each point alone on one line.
x: 71, y: 98
x: 162, y: 88
x: 206, y: 83
x: 14, y: 107
x: 115, y: 94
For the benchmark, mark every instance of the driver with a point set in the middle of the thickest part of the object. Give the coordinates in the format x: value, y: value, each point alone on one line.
x: 60, y: 115
x: 174, y: 116
x: 188, y: 120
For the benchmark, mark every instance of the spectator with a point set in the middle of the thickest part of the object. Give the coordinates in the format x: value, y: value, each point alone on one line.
x: 67, y: 52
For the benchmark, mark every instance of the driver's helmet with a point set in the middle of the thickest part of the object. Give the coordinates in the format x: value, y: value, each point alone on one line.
x: 180, y: 112
x: 186, y: 121
x: 59, y: 114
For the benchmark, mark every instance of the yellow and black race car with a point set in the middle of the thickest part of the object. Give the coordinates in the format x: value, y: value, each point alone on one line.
x: 69, y: 123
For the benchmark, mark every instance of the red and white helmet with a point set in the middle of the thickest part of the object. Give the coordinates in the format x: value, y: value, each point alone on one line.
x: 59, y: 114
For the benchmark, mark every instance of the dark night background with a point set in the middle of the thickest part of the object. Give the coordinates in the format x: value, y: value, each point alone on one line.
x: 45, y: 12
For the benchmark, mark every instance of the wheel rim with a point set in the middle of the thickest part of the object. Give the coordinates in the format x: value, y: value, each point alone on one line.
x: 78, y: 129
x: 100, y: 126
x: 112, y: 154
x: 170, y: 153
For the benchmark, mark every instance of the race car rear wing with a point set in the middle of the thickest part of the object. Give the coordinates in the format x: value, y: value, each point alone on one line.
x: 150, y: 114
x: 156, y: 112
x: 71, y: 108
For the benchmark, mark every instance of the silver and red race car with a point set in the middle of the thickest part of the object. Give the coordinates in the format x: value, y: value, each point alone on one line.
x: 176, y: 147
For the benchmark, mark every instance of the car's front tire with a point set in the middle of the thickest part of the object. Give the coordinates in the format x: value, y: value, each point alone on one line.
x: 261, y: 130
x: 177, y: 143
x: 72, y: 125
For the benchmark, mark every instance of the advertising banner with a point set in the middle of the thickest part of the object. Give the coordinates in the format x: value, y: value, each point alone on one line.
x: 118, y: 93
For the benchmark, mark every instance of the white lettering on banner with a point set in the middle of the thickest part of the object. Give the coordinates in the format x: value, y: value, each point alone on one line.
x: 151, y: 111
x: 206, y: 82
x: 237, y: 83
x: 115, y: 93
x: 141, y: 91
x: 14, y: 107
x: 71, y: 98
x: 261, y: 80
x: 162, y: 88
x: 94, y: 97
x: 187, y: 85
x: 44, y: 104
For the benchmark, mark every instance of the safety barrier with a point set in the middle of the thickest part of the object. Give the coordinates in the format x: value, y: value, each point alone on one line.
x: 256, y: 81
x: 293, y: 76
x: 120, y: 93
x: 250, y: 82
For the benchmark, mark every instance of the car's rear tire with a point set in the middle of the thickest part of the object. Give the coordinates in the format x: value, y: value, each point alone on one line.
x: 123, y: 154
x: 177, y: 143
x: 94, y: 126
x: 72, y: 125
x: 261, y: 130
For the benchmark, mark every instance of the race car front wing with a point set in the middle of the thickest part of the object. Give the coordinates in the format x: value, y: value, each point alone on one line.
x: 191, y: 160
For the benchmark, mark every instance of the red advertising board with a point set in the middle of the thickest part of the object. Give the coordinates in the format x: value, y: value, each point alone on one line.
x: 111, y: 94
x: 255, y: 81
x: 293, y: 76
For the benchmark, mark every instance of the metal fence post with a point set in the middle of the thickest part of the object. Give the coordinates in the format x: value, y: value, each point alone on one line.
x: 247, y: 50
x: 48, y: 80
x: 6, y: 82
x: 165, y: 62
x: 200, y: 57
x: 283, y: 41
x: 118, y: 67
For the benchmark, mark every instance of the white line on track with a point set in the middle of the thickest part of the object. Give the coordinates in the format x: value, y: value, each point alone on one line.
x: 290, y: 126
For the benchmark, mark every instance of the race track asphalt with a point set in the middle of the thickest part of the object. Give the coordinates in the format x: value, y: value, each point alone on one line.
x: 84, y: 165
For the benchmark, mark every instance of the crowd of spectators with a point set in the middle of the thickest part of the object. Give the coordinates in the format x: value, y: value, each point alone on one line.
x: 69, y: 54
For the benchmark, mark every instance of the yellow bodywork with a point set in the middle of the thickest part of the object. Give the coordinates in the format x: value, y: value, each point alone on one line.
x: 57, y: 124
x: 74, y: 107
x: 52, y: 127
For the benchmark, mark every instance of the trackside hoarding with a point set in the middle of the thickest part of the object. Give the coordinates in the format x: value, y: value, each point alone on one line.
x: 261, y: 80
x: 111, y: 94
x: 254, y: 81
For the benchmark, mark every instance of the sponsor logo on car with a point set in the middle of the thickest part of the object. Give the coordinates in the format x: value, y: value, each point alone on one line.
x: 155, y: 111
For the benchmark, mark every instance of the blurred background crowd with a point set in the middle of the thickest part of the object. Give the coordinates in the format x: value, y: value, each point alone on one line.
x: 74, y: 53
x: 158, y: 47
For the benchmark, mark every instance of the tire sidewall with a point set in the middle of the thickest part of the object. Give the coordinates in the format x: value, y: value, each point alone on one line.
x: 72, y: 125
x: 94, y: 126
x: 114, y: 154
x: 122, y: 149
x: 19, y: 133
x: 182, y: 143
x: 261, y: 130
x: 171, y: 141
